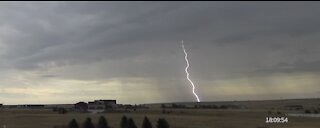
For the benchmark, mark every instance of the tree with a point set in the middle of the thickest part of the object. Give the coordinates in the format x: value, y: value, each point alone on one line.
x: 73, y: 124
x: 146, y: 123
x: 124, y: 122
x: 307, y: 111
x: 163, y: 111
x: 131, y: 123
x: 62, y: 111
x: 88, y: 123
x: 103, y: 123
x: 278, y: 112
x: 162, y: 123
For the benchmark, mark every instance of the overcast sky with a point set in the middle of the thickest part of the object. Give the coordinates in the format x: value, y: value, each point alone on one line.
x: 65, y: 52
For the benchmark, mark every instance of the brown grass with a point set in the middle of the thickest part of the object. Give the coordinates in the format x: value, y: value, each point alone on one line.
x: 179, y: 118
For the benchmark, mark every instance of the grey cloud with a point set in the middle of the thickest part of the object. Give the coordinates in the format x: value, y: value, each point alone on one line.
x: 103, y: 34
x: 103, y: 41
x: 48, y: 76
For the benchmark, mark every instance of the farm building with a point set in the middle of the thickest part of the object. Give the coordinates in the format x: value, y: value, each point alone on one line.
x: 81, y: 106
x: 101, y: 105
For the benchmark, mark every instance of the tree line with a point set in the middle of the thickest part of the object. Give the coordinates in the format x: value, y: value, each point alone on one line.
x: 125, y: 123
x: 226, y: 106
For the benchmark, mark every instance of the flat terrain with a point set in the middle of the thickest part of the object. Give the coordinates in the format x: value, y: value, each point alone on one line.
x: 178, y: 118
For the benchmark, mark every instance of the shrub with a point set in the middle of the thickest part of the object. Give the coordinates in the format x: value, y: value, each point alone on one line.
x: 278, y: 112
x: 131, y: 123
x: 214, y: 107
x: 88, y: 123
x: 62, y: 111
x: 307, y: 111
x: 54, y: 109
x: 124, y: 122
x: 73, y: 124
x: 146, y: 123
x: 103, y: 123
x: 178, y: 106
x: 162, y: 123
x: 223, y: 107
x: 163, y: 111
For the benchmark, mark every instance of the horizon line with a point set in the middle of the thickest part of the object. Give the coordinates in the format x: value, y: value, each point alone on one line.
x: 176, y: 101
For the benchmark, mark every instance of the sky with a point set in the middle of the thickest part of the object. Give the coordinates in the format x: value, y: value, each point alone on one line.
x: 66, y: 52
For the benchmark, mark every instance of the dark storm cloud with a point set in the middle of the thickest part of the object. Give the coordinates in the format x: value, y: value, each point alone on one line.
x: 142, y: 38
x: 236, y: 50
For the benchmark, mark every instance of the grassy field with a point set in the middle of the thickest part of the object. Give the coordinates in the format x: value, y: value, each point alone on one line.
x: 178, y: 118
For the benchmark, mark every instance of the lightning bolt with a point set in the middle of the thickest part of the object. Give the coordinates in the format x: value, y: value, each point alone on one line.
x: 186, y: 69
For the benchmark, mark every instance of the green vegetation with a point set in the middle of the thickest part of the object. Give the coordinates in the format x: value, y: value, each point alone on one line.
x: 73, y: 124
x: 162, y: 123
x: 278, y: 112
x: 146, y: 123
x: 124, y: 122
x: 88, y: 123
x: 103, y: 123
x: 131, y: 123
x: 60, y: 110
x: 307, y: 111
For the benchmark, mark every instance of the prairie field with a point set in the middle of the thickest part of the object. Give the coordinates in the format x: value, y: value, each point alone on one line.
x: 177, y: 118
